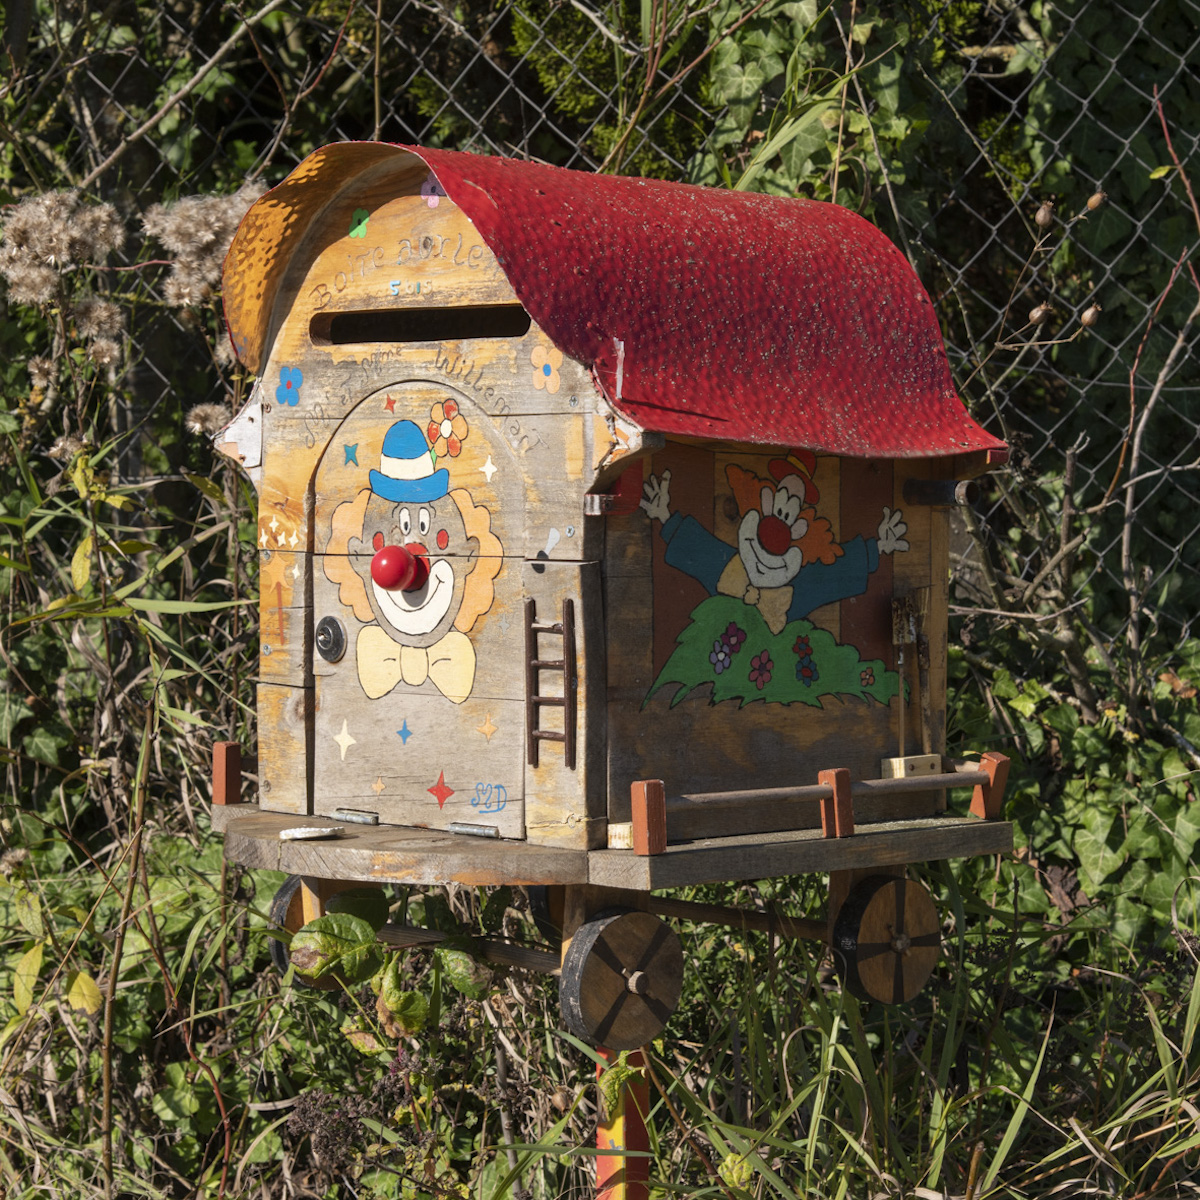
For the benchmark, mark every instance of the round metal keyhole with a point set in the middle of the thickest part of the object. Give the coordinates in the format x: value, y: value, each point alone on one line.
x: 330, y: 639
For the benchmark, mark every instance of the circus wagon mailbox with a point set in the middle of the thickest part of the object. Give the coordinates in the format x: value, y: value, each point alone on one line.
x: 603, y: 527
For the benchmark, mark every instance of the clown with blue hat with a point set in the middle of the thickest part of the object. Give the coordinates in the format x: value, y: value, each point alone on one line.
x: 406, y: 468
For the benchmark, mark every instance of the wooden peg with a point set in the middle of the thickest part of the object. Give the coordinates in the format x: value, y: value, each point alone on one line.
x: 648, y: 800
x: 226, y: 773
x: 988, y: 798
x: 837, y: 811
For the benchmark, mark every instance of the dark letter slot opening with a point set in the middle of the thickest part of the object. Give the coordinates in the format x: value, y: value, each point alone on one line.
x: 419, y: 324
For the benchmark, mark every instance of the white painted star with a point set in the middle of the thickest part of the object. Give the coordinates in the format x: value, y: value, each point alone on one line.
x: 296, y: 571
x: 292, y: 541
x: 274, y: 525
x: 344, y: 740
x: 489, y: 468
x: 262, y: 540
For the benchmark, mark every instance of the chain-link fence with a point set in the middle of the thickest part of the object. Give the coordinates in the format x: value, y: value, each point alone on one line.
x: 950, y: 124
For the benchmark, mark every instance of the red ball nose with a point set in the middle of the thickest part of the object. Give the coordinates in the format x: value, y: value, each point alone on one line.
x: 420, y: 571
x: 392, y: 567
x: 774, y: 535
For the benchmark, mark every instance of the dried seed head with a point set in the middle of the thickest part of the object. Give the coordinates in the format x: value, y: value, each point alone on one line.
x: 1096, y: 199
x: 207, y: 418
x: 41, y: 372
x: 1040, y: 315
x: 66, y: 447
x: 1090, y: 316
x: 1044, y: 215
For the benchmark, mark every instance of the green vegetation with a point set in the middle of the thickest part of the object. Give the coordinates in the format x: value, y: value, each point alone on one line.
x: 147, y: 1046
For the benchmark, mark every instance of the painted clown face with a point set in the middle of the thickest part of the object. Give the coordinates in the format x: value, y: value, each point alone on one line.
x: 434, y: 530
x: 765, y: 537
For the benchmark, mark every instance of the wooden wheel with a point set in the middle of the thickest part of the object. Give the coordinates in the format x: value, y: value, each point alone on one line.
x: 620, y: 980
x: 887, y: 939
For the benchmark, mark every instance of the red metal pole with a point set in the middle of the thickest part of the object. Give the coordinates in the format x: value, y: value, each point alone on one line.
x: 620, y: 1132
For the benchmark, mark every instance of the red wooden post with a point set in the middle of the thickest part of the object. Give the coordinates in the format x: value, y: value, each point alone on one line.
x: 623, y: 1131
x: 988, y: 798
x: 648, y: 801
x: 226, y: 773
x: 837, y: 812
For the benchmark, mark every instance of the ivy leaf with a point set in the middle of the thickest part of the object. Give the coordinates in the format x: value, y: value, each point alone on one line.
x: 25, y: 977
x: 1091, y: 845
x: 176, y: 1103
x: 371, y: 904
x: 464, y: 973
x: 83, y: 993
x: 336, y: 942
x: 81, y: 564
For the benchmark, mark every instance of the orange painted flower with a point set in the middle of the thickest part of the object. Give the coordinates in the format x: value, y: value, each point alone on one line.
x: 447, y: 429
x: 546, y: 361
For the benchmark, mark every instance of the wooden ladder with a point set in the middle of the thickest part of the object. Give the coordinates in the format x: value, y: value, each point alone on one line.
x: 534, y: 700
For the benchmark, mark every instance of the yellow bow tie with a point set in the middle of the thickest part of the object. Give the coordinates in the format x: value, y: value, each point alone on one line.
x: 383, y: 663
x: 773, y: 603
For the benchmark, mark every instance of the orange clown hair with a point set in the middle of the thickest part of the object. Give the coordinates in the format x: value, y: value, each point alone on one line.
x: 817, y: 543
x: 480, y: 589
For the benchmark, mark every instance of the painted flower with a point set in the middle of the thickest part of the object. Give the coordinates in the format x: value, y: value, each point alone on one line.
x: 447, y: 429
x: 802, y: 648
x: 867, y: 678
x: 288, y: 391
x: 432, y: 191
x: 358, y: 223
x: 720, y: 656
x: 806, y: 672
x: 546, y: 361
x: 761, y: 667
x: 733, y: 637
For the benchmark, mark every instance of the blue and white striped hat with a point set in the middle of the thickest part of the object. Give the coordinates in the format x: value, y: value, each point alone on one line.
x: 406, y: 467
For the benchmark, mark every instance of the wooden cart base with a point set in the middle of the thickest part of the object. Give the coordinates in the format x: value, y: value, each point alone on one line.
x: 405, y: 854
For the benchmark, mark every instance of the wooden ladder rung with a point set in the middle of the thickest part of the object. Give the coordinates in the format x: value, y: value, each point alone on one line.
x: 553, y: 701
x: 548, y: 664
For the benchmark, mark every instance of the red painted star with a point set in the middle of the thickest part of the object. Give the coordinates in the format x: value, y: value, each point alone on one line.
x: 390, y: 404
x: 440, y: 792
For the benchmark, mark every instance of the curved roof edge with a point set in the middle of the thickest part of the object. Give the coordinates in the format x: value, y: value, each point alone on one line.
x: 701, y: 312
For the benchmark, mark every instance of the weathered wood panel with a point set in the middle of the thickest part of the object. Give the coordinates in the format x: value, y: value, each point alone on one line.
x: 284, y: 757
x: 751, y: 857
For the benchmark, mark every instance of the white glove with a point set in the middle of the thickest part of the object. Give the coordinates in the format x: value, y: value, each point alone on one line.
x: 891, y: 532
x: 656, y: 497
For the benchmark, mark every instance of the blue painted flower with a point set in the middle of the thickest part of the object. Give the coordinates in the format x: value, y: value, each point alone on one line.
x: 806, y: 672
x: 719, y: 657
x: 288, y: 391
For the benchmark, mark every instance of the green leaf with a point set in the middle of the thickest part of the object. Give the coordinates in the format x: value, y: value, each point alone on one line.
x: 176, y: 1103
x: 83, y: 993
x: 371, y: 904
x: 29, y: 911
x: 207, y: 486
x: 1091, y: 846
x: 464, y: 973
x: 1161, y: 172
x: 25, y: 977
x: 336, y: 942
x: 81, y: 564
x: 495, y: 908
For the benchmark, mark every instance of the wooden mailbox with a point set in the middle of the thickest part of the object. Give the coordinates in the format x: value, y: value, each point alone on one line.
x: 572, y: 484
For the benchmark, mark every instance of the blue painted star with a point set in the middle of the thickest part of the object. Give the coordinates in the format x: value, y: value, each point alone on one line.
x: 351, y: 454
x: 404, y: 733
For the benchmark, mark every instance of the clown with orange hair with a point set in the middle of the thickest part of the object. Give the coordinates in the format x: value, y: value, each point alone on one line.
x: 416, y: 562
x: 786, y: 562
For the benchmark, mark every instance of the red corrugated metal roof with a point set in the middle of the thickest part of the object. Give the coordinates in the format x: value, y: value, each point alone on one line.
x: 717, y: 314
